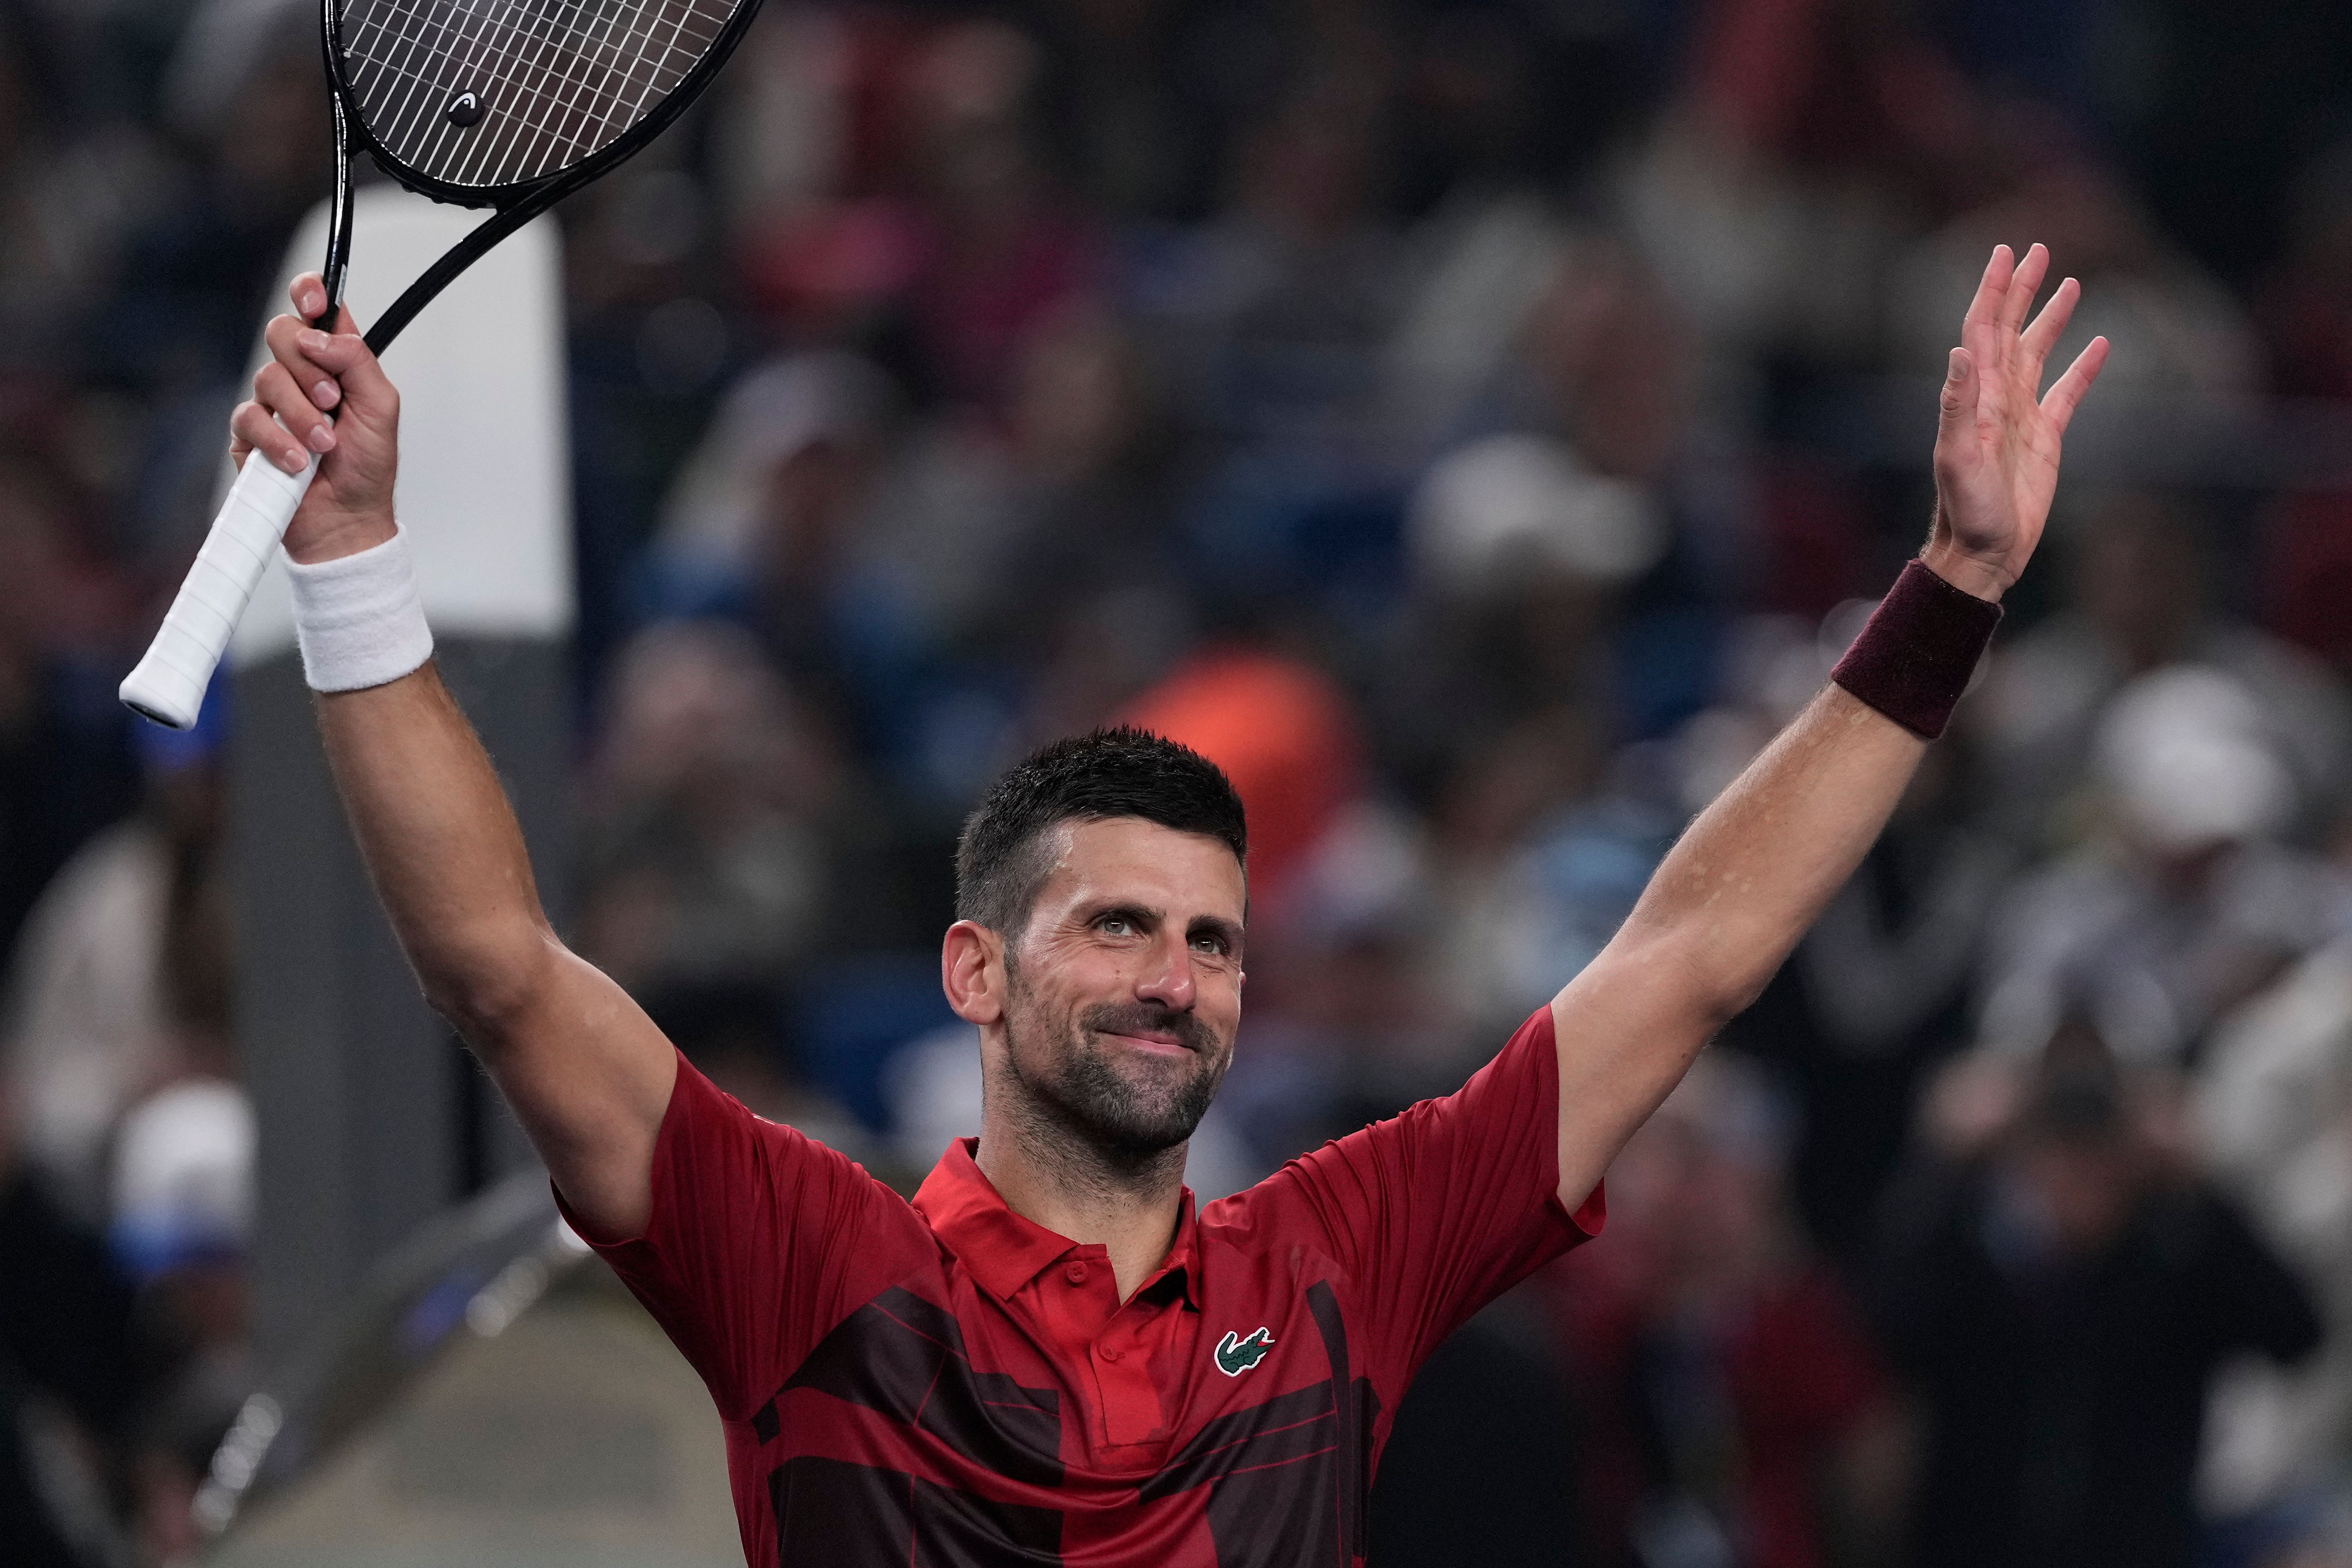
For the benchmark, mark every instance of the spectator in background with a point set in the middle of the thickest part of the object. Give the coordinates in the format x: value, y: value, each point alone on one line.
x: 1277, y: 307
x: 241, y: 96
x: 1774, y: 183
x: 1521, y: 547
x: 2177, y: 332
x: 1886, y: 977
x: 65, y: 757
x: 183, y: 1230
x: 119, y: 985
x: 890, y: 195
x: 1285, y: 735
x: 719, y: 808
x: 1090, y: 467
x: 1350, y: 1022
x: 120, y: 1054
x: 2273, y: 1108
x: 2188, y: 904
x: 763, y: 524
x: 71, y: 185
x: 996, y: 246
x: 2139, y: 598
x: 1540, y: 849
x: 1734, y: 1414
x: 2305, y: 304
x: 2305, y: 543
x: 69, y: 1374
x: 2058, y: 1290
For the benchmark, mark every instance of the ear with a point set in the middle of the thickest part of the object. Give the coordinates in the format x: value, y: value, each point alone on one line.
x: 972, y: 971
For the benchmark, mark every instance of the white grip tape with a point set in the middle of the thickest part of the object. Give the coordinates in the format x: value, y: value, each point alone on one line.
x: 169, y: 684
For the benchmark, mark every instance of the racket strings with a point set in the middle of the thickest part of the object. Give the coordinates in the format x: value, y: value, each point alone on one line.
x: 549, y: 115
x: 546, y: 91
x: 497, y: 92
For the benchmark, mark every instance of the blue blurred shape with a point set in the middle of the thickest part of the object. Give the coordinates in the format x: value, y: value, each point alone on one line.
x: 849, y: 1020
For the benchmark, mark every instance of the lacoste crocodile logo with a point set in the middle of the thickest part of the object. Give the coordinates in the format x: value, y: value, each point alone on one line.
x: 1237, y: 1356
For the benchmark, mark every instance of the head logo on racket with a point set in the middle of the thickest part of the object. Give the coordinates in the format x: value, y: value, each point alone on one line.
x: 464, y: 109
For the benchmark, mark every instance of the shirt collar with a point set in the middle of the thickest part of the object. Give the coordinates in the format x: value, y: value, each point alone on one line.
x: 1003, y: 1250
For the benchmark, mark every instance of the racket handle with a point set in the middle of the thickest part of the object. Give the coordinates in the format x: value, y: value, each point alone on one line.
x: 169, y: 684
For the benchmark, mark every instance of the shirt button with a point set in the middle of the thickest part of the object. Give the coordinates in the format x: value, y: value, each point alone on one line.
x: 1109, y: 1352
x: 1075, y: 1273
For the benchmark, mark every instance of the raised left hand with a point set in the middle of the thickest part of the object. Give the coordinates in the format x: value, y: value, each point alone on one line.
x: 1998, y: 441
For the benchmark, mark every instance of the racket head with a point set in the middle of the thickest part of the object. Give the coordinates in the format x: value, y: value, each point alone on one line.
x: 508, y: 103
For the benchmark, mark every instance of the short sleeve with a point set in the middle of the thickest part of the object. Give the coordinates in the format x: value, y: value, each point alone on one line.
x: 760, y: 1240
x: 1434, y: 1213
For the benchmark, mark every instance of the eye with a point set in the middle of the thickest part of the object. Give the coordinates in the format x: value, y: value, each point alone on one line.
x: 1115, y: 925
x: 1211, y: 943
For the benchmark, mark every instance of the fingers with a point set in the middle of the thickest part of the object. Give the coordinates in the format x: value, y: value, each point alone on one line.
x: 1980, y: 328
x: 345, y: 356
x: 309, y: 374
x: 2067, y: 395
x: 2047, y: 328
x: 1992, y: 288
x: 2057, y: 314
x: 308, y: 294
x: 330, y: 367
x: 2023, y: 284
x: 284, y: 334
x: 252, y: 429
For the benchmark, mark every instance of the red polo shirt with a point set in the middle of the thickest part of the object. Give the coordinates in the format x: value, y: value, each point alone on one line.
x: 944, y: 1382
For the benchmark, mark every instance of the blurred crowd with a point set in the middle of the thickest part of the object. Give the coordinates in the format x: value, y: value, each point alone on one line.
x: 1478, y: 426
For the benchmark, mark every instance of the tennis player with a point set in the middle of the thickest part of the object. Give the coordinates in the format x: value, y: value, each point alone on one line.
x: 1050, y: 1355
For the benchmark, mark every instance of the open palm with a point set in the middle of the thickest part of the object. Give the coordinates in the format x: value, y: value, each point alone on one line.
x: 1997, y: 444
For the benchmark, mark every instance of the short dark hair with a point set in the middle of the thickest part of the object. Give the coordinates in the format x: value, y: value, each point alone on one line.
x: 1121, y: 771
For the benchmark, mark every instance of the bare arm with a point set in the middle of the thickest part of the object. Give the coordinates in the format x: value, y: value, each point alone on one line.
x: 586, y: 1071
x: 1758, y: 866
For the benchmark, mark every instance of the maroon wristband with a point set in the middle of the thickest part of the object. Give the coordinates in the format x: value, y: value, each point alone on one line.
x: 1912, y: 660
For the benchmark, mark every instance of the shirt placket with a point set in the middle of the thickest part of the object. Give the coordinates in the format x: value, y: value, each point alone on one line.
x: 1122, y: 1363
x: 1112, y: 1339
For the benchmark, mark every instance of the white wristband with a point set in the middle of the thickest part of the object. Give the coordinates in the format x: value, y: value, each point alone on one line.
x: 358, y: 618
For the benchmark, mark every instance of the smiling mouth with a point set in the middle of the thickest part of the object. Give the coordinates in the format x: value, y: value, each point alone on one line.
x: 1150, y: 1046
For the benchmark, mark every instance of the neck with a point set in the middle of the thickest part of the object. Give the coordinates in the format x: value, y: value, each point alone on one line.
x: 1053, y: 1174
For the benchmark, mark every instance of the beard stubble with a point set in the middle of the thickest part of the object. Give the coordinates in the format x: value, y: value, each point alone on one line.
x: 1130, y: 1110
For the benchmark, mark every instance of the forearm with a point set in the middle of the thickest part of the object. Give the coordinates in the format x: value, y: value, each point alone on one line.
x: 441, y: 844
x: 1758, y: 866
x: 1720, y: 915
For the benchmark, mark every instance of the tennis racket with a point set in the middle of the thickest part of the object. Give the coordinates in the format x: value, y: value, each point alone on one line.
x: 506, y: 104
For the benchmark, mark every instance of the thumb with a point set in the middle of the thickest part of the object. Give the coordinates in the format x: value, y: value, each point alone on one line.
x: 1955, y: 426
x: 1959, y: 396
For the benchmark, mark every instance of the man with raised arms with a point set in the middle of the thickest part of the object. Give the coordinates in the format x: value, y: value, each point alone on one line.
x: 1050, y: 1355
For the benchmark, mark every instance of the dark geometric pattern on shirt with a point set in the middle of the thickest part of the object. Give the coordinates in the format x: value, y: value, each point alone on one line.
x: 846, y: 1515
x: 900, y: 1355
x: 1287, y: 1481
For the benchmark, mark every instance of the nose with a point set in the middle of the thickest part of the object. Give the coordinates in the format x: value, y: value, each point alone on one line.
x: 1167, y: 978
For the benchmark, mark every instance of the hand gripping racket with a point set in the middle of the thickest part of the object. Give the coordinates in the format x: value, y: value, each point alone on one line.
x: 506, y: 104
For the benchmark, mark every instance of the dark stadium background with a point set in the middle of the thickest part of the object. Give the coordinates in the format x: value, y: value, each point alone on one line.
x: 1477, y: 425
